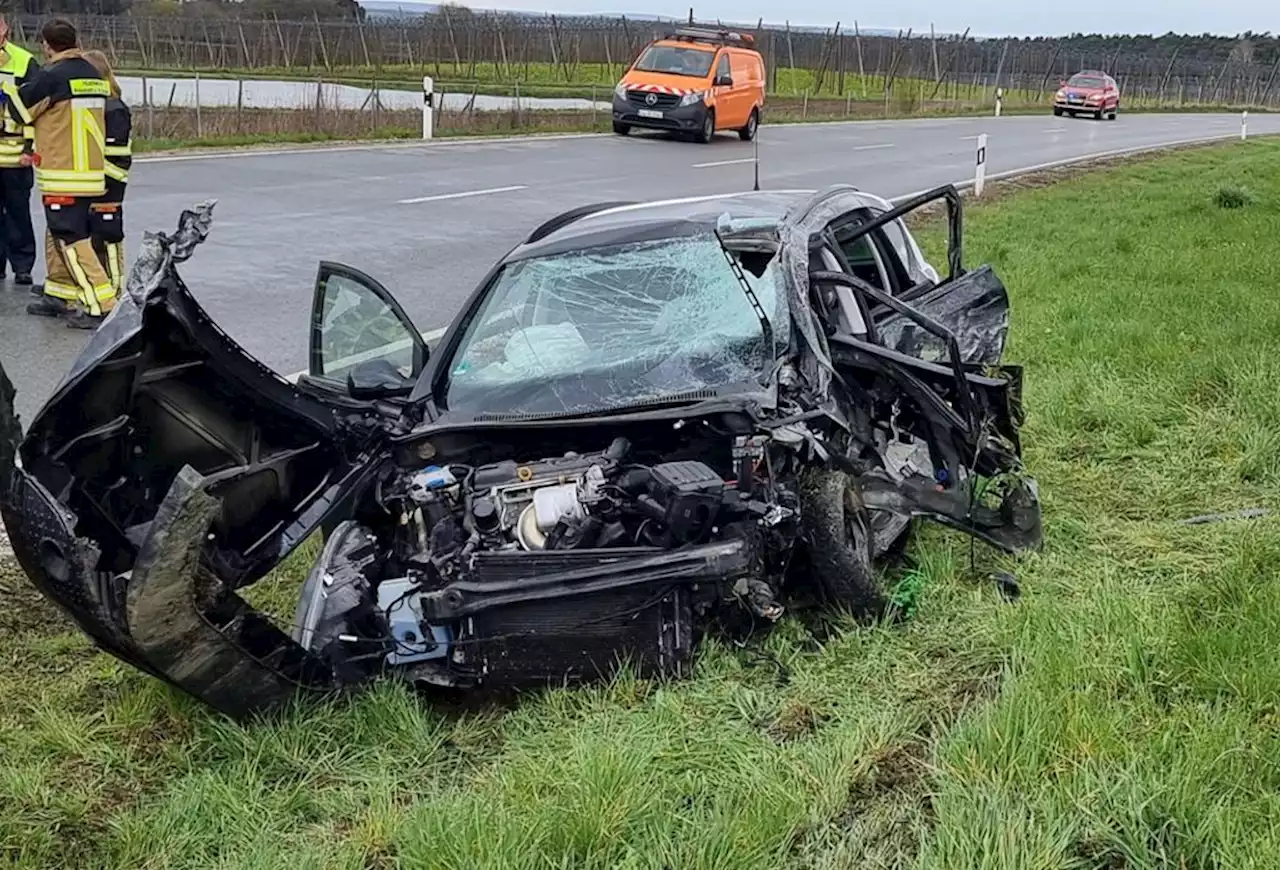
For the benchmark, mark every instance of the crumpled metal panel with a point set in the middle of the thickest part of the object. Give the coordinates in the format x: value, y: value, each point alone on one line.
x: 157, y: 254
x: 974, y: 307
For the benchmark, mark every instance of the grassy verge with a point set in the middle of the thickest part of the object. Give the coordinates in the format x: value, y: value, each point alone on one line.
x: 1122, y: 713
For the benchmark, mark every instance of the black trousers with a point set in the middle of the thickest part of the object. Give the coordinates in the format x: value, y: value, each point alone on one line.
x: 17, y: 238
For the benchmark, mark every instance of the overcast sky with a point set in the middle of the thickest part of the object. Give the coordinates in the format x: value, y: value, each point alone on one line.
x: 985, y: 17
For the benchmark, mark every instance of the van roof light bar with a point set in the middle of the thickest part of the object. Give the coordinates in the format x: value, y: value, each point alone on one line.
x: 715, y: 37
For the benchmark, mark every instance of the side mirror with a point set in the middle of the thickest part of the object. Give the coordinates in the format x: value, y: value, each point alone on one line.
x: 377, y: 379
x: 725, y: 81
x: 1062, y: 83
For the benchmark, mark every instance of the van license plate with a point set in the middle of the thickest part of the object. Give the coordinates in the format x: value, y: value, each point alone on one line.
x: 650, y: 113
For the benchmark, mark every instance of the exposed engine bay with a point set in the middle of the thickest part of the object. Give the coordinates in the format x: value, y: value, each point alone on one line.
x: 472, y: 542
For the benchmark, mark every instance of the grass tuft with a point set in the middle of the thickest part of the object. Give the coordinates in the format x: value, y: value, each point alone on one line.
x: 1233, y: 196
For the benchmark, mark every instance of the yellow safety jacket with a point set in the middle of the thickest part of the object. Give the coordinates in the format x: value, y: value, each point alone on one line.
x: 17, y: 65
x: 66, y: 103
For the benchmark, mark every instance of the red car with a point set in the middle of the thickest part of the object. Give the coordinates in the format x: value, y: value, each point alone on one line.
x: 1088, y: 92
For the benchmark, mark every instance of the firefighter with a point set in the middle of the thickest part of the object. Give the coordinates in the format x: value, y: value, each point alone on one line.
x: 106, y: 214
x: 66, y: 104
x: 17, y: 238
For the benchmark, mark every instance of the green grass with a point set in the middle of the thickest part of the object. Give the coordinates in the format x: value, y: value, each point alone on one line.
x: 1121, y: 714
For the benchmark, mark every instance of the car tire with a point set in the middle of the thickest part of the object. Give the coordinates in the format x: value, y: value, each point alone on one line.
x: 839, y: 542
x: 708, y: 131
x: 1114, y: 114
x: 621, y: 129
x: 747, y: 133
x: 1057, y: 113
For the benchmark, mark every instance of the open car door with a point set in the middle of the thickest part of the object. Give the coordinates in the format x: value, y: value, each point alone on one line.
x: 933, y: 355
x: 169, y: 469
x: 362, y: 344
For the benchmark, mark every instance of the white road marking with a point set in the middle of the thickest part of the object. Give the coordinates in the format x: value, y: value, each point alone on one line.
x: 462, y: 194
x: 970, y: 138
x: 873, y: 147
x: 723, y: 163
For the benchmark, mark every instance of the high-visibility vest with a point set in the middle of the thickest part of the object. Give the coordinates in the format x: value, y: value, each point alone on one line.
x: 16, y: 66
x: 66, y: 103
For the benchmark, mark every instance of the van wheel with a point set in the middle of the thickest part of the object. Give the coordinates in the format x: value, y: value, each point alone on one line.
x: 708, y: 131
x: 747, y: 133
x: 621, y: 129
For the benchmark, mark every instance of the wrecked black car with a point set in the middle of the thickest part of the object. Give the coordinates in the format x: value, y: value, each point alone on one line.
x: 646, y: 417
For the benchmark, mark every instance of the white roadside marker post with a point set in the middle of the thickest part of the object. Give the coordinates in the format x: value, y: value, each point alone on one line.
x: 999, y: 101
x: 428, y: 107
x: 980, y: 174
x: 1244, y: 125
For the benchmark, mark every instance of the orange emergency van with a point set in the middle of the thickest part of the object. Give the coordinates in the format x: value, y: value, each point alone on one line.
x: 693, y: 81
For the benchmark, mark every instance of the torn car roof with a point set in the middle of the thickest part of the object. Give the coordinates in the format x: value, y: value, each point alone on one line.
x: 688, y: 215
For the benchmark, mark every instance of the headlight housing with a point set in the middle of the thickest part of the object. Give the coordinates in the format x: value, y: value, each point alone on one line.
x: 620, y: 90
x: 693, y: 97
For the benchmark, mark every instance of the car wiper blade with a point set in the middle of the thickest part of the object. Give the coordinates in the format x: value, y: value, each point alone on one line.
x: 765, y: 326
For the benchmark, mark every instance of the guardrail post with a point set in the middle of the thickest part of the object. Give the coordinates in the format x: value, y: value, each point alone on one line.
x: 1244, y: 125
x: 980, y: 173
x: 999, y: 101
x: 428, y: 107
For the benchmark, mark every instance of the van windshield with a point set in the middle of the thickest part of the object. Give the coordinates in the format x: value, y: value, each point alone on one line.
x: 676, y: 60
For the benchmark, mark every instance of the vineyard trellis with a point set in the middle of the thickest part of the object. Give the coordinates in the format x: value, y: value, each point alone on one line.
x: 457, y: 44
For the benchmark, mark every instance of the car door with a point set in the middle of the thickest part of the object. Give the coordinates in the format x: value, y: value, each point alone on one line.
x: 362, y: 345
x: 727, y: 109
x: 972, y: 305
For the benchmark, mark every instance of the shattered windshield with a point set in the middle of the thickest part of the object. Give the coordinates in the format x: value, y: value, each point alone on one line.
x: 614, y: 326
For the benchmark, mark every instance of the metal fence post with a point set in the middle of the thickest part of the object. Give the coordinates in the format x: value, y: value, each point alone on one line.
x: 199, y: 121
x: 1244, y: 125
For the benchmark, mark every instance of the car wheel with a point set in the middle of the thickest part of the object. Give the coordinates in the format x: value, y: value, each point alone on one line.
x: 621, y: 129
x: 837, y: 530
x: 708, y: 131
x: 1057, y: 113
x: 747, y: 133
x: 1114, y: 113
x: 1098, y: 115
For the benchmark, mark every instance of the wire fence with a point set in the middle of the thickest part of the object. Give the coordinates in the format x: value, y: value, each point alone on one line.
x: 456, y: 44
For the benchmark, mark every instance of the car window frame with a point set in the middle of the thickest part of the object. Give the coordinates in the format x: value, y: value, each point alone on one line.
x: 723, y: 61
x: 327, y: 270
x: 892, y: 272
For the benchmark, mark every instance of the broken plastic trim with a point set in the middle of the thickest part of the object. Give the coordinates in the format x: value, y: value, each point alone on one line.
x: 189, y: 626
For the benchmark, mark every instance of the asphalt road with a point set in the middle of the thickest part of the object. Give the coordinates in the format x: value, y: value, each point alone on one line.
x: 429, y: 220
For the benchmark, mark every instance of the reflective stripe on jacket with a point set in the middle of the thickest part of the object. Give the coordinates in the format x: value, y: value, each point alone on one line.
x: 66, y: 103
x: 119, y: 148
x: 17, y: 65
